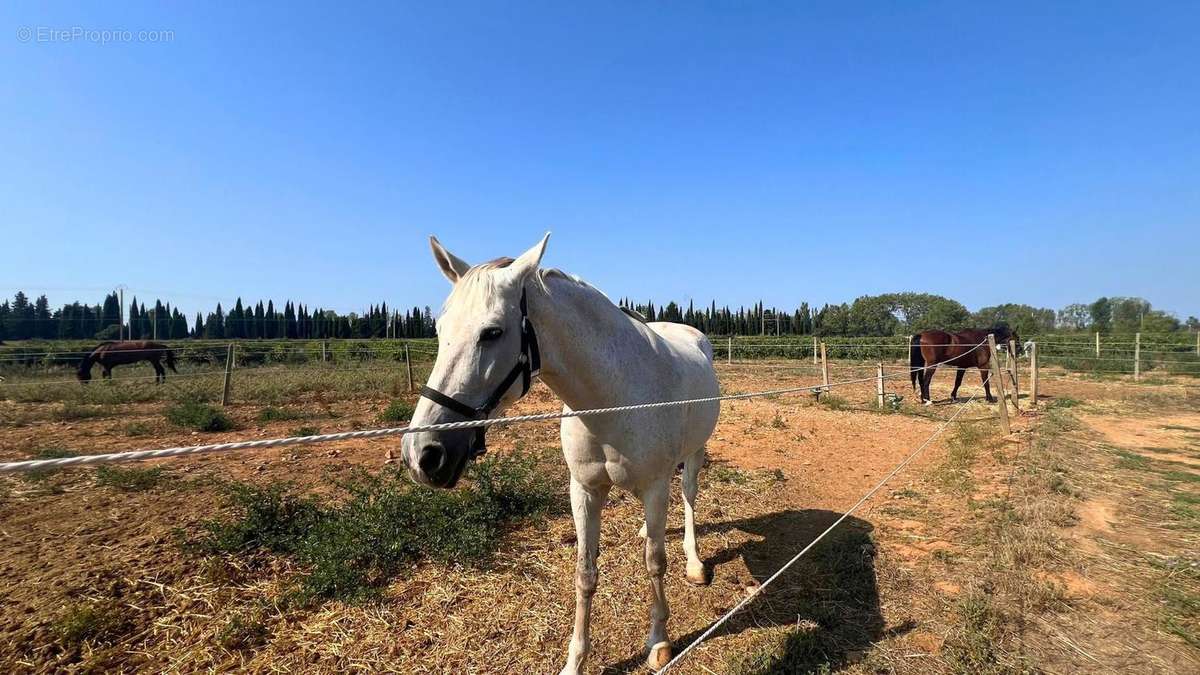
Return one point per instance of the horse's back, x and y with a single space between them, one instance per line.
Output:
683 336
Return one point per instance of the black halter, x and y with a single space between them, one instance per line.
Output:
529 363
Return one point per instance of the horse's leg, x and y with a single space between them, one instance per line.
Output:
160 375
957 383
926 380
696 573
985 375
654 500
107 373
585 505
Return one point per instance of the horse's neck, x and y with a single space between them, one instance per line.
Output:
581 334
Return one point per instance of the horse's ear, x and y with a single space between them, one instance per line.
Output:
451 265
528 261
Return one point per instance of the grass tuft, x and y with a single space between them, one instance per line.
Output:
398 410
90 623
133 479
198 417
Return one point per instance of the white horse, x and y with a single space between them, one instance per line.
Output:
591 354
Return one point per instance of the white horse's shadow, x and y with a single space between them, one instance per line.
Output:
831 590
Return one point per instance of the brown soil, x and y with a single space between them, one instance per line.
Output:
68 540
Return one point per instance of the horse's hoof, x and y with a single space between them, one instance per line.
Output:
698 576
928 402
660 655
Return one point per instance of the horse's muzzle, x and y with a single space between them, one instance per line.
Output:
439 460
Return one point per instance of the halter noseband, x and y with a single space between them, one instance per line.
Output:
527 367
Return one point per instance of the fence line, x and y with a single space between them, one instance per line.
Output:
139 455
763 586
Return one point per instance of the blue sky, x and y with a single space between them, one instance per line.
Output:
1045 153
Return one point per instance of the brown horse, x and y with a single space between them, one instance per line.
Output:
110 354
957 350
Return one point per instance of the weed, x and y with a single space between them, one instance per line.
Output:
198 417
243 631
777 422
835 402
274 414
133 479
90 622
70 412
305 431
40 475
134 429
382 525
398 410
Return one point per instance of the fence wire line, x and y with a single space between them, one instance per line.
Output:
763 586
140 455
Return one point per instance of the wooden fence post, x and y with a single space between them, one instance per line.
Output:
1097 345
814 350
998 380
879 385
1137 356
408 366
1198 343
324 351
824 367
1013 372
1033 374
729 355
228 375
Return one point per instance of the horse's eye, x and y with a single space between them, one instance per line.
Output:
490 334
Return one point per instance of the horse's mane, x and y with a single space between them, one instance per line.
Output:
476 276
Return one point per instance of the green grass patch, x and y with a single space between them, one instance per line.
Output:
71 412
398 410
1127 459
133 479
834 402
305 431
1182 476
198 417
378 526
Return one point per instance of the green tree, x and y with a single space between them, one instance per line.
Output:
1101 313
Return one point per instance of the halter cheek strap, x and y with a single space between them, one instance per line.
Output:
527 367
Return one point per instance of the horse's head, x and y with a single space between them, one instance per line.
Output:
1003 334
85 370
487 355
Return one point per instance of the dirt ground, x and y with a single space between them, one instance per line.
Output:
894 592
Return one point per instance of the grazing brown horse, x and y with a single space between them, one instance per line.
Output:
957 350
110 354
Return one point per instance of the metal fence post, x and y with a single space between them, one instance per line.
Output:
1013 372
729 355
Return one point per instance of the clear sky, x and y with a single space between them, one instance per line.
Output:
1046 153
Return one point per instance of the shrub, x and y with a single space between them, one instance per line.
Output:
383 524
398 410
137 429
199 417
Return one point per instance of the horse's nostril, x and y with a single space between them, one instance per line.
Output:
432 456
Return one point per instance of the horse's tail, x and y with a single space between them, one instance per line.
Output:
915 360
171 361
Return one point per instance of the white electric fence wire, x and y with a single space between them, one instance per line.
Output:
140 455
